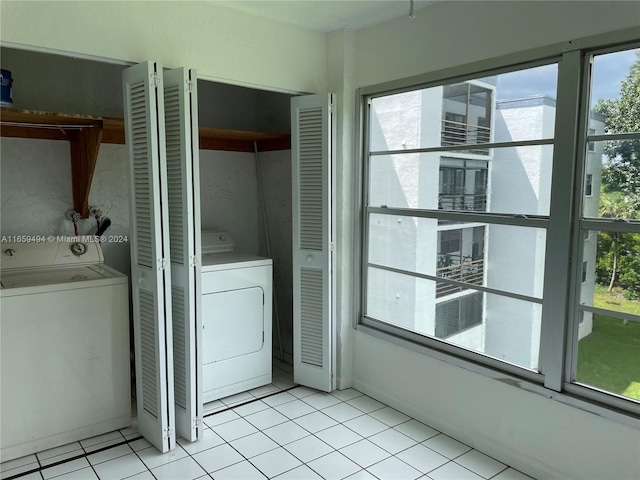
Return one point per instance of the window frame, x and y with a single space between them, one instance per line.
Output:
557 351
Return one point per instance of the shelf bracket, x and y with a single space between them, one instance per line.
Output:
84 146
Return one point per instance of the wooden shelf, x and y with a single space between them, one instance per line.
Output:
86 133
212 138
242 141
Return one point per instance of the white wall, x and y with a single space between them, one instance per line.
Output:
341 72
537 435
222 44
449 34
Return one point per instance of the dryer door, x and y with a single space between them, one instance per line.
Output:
234 325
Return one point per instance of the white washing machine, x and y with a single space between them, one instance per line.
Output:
64 320
236 318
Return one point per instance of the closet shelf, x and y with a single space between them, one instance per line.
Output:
85 134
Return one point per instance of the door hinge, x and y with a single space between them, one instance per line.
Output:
332 246
190 86
197 422
194 261
331 108
163 264
168 432
156 80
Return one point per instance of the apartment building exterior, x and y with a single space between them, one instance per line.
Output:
500 180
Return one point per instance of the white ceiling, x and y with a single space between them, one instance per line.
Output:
327 15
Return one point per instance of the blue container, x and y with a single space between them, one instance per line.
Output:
5 88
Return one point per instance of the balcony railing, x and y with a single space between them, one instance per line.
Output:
475 202
461 270
457 133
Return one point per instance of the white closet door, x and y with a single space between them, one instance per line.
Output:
144 130
181 123
312 218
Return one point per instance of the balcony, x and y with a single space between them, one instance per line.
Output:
463 269
458 133
471 202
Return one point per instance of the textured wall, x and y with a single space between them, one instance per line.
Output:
36 193
276 181
110 193
36 187
228 193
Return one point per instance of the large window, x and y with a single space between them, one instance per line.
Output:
471 224
606 353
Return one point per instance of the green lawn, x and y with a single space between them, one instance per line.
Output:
609 358
614 300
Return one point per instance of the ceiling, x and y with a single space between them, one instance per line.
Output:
327 15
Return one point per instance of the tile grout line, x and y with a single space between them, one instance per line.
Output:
135 452
283 446
86 454
279 445
389 427
226 442
40 468
241 404
71 459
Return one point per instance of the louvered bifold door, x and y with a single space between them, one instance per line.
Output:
144 136
183 181
312 218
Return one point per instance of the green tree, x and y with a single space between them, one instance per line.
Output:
618 260
613 205
621 172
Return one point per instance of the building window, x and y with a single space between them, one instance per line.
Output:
466 113
591 146
458 315
462 184
460 252
588 187
426 244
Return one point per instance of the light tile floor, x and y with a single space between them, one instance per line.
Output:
267 432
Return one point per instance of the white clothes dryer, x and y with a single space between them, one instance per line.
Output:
65 373
236 318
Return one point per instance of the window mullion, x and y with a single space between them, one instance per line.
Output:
561 218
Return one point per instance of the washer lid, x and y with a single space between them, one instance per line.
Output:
53 276
63 251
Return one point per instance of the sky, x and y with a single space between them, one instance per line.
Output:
608 71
